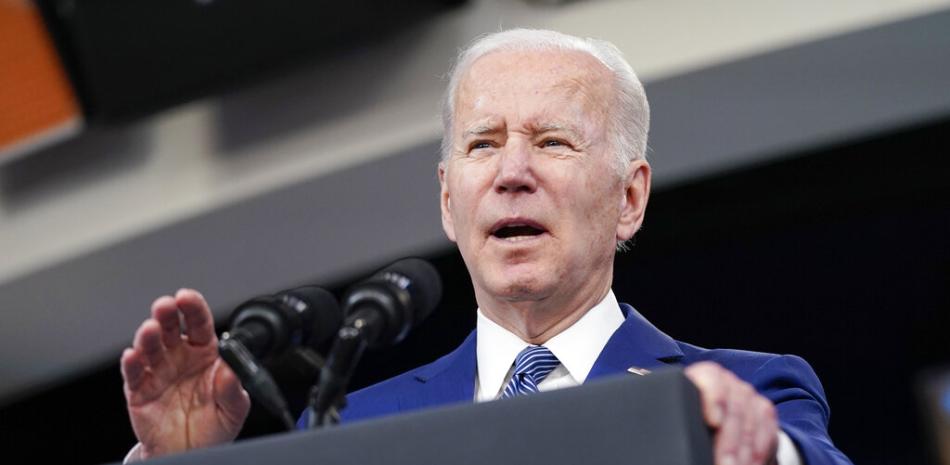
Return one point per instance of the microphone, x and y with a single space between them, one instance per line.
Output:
379 312
387 305
266 327
269 325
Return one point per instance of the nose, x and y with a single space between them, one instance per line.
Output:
515 169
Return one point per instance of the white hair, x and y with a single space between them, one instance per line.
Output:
629 116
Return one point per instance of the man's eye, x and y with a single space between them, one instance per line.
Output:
552 143
480 145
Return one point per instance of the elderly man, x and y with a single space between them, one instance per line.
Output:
542 176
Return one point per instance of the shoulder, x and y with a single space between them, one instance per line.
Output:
744 363
749 365
779 377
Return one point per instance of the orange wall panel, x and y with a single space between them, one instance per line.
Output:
37 103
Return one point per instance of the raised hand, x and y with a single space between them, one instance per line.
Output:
179 392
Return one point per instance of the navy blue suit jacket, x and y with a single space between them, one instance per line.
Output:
787 380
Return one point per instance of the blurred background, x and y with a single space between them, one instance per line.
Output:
801 202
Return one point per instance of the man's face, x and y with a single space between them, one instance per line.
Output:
531 191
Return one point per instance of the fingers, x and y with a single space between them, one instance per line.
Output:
165 311
705 375
741 419
197 315
765 444
142 362
157 337
750 423
729 440
191 305
133 369
729 436
745 423
148 343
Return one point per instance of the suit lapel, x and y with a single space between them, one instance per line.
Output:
638 344
448 380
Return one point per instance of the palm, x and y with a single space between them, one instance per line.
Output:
180 394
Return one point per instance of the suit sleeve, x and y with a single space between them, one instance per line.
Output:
791 384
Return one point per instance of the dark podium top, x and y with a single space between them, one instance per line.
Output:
653 419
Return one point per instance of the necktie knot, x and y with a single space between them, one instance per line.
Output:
532 365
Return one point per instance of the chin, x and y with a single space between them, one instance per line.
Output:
520 293
521 287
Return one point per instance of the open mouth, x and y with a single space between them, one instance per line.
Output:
517 230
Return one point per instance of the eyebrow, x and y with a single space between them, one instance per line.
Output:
538 128
480 130
543 128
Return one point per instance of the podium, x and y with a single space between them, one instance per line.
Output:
631 419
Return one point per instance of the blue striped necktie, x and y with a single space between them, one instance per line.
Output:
532 365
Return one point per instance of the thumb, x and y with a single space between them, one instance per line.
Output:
232 400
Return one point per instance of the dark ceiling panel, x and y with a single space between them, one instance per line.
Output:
130 58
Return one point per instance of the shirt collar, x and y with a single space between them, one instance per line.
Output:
577 347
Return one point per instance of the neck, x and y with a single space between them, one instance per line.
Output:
537 320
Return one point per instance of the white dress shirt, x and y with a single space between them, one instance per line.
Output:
577 348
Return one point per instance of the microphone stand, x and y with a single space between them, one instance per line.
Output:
255 378
327 397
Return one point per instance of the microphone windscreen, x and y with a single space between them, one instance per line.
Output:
325 311
423 283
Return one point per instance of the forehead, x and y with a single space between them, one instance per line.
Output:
512 80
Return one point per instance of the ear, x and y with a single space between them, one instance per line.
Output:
633 206
446 204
